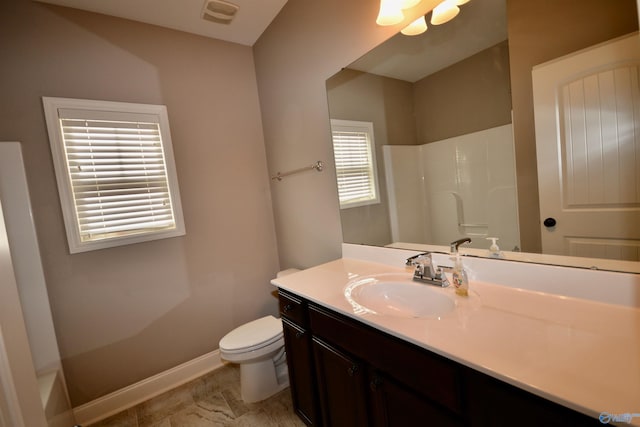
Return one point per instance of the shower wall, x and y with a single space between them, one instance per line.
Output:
467 188
31 286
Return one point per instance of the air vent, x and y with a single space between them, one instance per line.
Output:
219 11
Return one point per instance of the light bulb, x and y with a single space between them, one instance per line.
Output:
418 26
444 12
390 13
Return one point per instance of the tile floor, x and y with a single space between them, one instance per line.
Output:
211 400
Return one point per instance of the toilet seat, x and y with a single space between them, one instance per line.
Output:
252 336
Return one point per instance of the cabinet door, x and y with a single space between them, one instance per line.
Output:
297 343
396 405
492 403
434 376
342 386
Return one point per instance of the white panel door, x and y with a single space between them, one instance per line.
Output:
587 121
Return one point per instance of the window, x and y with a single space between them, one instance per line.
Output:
115 172
354 152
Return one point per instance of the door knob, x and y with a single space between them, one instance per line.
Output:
549 222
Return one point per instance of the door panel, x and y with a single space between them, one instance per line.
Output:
587 112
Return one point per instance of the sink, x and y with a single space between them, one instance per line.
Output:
397 295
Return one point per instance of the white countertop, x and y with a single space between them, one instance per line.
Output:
581 353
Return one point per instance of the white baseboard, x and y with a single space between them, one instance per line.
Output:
130 396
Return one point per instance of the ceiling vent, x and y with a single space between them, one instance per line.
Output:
219 11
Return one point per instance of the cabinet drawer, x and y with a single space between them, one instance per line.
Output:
292 307
428 374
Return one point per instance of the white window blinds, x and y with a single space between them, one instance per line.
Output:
118 178
354 152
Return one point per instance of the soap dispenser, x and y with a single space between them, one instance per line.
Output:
459 277
494 250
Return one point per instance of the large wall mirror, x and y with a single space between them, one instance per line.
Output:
451 113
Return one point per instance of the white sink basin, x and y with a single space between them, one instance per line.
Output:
397 295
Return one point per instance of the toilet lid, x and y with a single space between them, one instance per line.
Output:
258 333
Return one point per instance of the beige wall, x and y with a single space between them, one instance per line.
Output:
539 31
308 42
388 104
124 314
471 95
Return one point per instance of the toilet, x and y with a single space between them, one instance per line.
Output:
258 347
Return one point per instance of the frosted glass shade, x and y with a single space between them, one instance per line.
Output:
406 4
444 12
390 13
418 26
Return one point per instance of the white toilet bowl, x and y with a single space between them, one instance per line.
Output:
258 347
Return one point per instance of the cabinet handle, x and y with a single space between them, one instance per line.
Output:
299 334
352 370
375 383
288 308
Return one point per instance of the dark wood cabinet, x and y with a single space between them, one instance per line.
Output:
394 404
301 371
342 390
493 403
346 373
297 343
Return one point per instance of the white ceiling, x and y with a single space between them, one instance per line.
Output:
253 17
479 25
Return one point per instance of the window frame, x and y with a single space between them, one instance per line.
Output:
367 128
94 108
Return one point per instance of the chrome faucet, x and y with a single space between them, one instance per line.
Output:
426 271
455 245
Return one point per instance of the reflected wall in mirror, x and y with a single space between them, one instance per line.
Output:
453 109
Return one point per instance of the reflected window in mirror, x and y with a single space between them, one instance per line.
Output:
354 152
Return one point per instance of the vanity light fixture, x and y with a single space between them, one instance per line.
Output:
418 26
444 12
406 4
390 13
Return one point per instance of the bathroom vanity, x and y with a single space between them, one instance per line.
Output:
504 356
